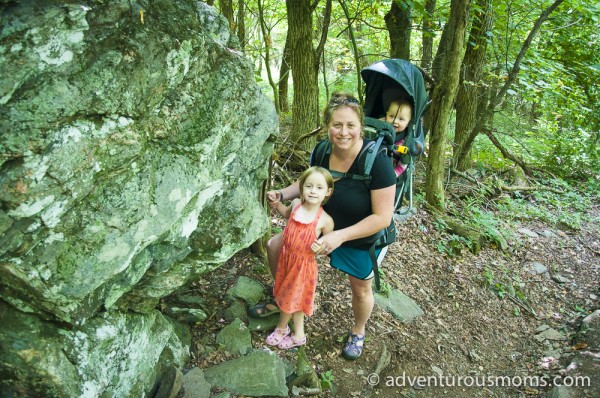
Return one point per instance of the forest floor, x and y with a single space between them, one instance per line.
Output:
482 313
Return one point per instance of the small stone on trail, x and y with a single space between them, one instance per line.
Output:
528 232
559 278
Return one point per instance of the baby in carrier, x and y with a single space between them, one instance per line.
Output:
399 114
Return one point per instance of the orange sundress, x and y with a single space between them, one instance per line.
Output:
296 277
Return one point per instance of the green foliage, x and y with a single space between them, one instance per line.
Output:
567 209
505 284
385 287
327 379
453 245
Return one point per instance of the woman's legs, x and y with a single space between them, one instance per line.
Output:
362 303
274 246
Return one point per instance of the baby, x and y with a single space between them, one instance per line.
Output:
399 115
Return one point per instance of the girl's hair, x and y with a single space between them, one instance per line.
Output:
340 99
321 170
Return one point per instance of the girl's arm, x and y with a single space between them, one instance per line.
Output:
284 210
325 226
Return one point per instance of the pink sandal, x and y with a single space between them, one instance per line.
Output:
290 342
277 336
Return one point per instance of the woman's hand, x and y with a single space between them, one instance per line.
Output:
274 198
327 243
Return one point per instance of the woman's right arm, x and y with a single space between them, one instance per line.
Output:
289 193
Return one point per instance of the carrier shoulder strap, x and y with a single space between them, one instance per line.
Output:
366 158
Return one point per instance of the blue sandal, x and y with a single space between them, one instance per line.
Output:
354 346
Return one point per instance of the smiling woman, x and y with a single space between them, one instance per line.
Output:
358 210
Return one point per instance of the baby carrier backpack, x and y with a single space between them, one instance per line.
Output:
396 78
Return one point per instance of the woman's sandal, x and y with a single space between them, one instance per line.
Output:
277 336
290 342
263 310
354 346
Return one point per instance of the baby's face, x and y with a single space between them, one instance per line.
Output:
398 116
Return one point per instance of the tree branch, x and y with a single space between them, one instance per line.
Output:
323 40
517 65
516 159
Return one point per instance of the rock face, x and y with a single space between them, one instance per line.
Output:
133 147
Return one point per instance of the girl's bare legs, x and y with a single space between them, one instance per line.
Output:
281 331
362 303
284 319
298 318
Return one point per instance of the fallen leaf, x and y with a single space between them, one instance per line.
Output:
579 346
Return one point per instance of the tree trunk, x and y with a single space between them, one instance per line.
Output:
267 54
486 116
241 26
284 72
470 89
304 64
354 50
227 11
427 35
442 100
398 23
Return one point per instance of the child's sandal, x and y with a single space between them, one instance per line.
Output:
277 336
290 342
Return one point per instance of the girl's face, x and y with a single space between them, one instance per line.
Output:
315 189
344 128
398 116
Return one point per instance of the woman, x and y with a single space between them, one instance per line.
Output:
358 211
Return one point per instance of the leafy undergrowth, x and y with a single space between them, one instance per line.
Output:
481 311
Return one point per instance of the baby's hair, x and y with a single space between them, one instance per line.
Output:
401 102
321 170
339 99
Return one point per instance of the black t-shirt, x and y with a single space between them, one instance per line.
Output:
351 199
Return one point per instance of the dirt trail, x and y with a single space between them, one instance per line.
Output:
467 330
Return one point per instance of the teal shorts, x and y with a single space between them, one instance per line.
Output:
353 261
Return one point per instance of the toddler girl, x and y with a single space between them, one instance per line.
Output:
296 277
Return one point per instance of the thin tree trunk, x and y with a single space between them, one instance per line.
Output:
284 72
241 26
442 100
470 88
427 35
486 117
267 54
324 71
512 76
354 50
398 23
227 11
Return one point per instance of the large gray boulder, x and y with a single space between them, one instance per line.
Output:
133 145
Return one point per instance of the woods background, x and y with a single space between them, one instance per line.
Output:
513 84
